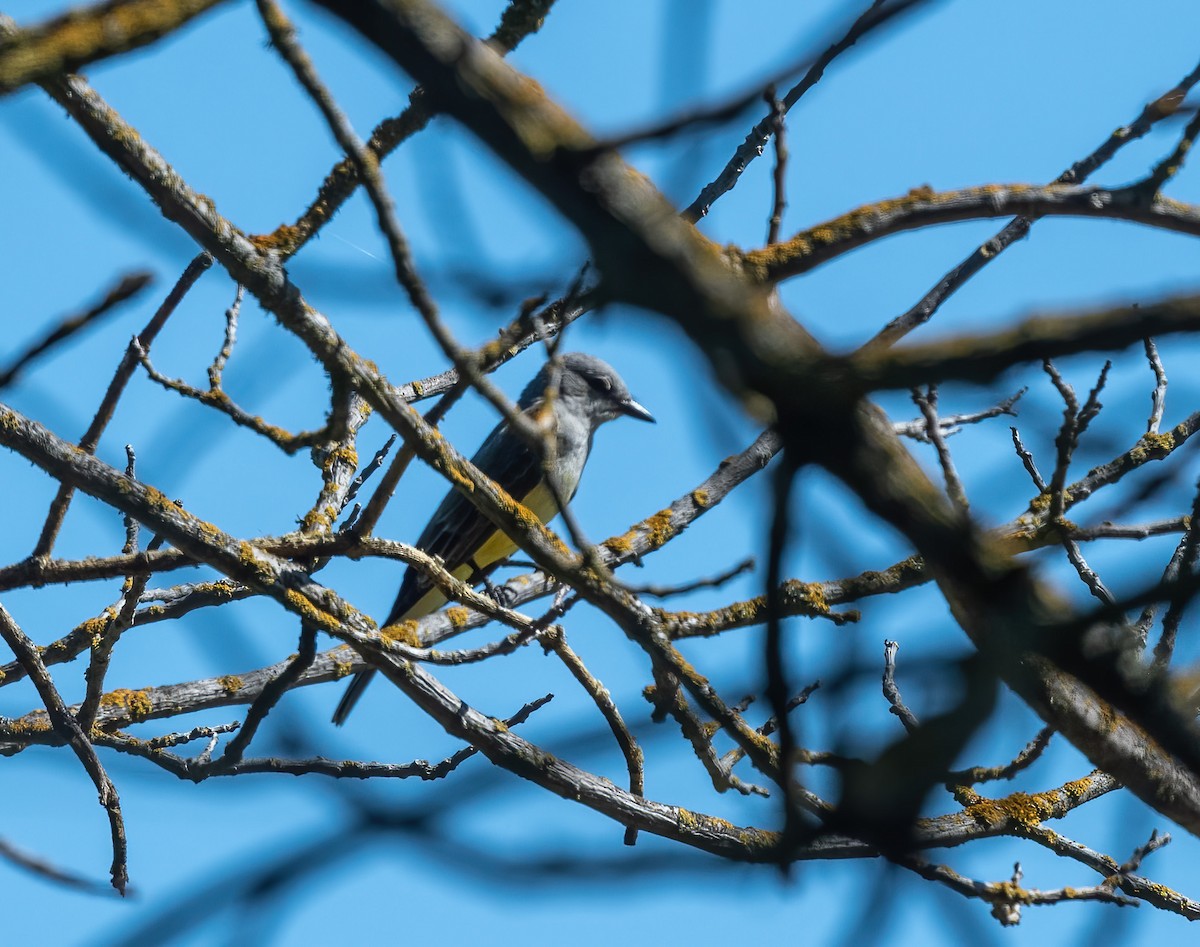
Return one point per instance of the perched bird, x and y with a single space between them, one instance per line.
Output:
588 393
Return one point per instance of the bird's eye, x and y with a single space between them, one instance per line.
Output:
599 382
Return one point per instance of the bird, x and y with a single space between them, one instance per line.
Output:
588 394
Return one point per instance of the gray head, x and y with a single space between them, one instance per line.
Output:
587 385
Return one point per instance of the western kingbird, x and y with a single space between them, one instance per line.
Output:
588 393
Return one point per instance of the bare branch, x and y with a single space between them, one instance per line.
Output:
1158 398
779 178
927 404
891 692
1027 757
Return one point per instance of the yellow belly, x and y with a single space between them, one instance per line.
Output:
497 546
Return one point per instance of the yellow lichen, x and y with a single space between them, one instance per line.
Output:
343 455
307 610
620 545
404 632
137 703
659 529
811 594
231 684
318 520
1159 442
1040 503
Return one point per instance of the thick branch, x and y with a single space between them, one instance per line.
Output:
79 37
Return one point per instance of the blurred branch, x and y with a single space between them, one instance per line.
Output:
86 35
129 286
49 872
879 13
981 358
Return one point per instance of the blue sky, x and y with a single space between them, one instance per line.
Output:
961 93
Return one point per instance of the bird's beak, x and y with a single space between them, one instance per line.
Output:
635 410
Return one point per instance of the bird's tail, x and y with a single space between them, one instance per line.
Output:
353 693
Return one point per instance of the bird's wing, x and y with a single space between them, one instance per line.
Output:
457 530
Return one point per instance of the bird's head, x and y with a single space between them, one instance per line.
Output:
588 386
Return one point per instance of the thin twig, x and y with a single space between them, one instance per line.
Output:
1007 897
169 740
735 104
668 698
1086 573
712 582
554 639
268 697
927 404
1023 760
1106 530
891 692
1153 844
400 463
1028 461
1158 397
217 368
779 177
1064 442
737 753
367 471
117 619
1169 166
1182 564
